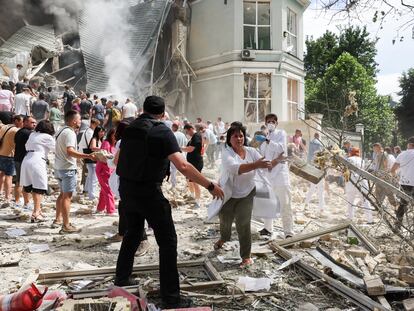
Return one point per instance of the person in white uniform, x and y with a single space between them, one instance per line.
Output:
278 175
34 166
352 192
315 146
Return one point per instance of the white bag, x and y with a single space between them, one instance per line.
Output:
265 202
213 209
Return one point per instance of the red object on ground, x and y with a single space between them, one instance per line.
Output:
120 292
190 309
25 300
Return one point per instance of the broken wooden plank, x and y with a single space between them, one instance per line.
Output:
74 274
338 269
361 236
310 235
383 301
363 301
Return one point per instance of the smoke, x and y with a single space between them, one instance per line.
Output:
106 24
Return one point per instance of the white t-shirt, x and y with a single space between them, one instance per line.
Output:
66 137
244 183
279 175
406 161
390 161
181 139
220 128
22 104
86 139
209 135
14 75
129 110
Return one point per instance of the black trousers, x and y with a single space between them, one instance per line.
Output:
146 202
402 208
122 224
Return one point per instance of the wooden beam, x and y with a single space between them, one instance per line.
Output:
363 301
310 235
371 246
375 179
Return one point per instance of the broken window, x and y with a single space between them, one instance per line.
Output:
292 90
257 96
256 25
292 41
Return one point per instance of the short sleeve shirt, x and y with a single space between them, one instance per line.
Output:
20 139
85 107
195 157
129 110
39 109
65 138
406 161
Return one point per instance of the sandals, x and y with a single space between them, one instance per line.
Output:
37 219
219 244
246 263
56 224
69 229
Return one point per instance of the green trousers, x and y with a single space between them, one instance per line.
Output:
239 210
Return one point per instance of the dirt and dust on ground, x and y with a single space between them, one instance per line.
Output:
29 248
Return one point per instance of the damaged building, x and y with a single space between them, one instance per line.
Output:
233 58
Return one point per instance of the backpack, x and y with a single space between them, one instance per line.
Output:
116 115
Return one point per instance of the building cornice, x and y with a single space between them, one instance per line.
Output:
304 3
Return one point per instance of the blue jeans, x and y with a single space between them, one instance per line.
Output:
66 180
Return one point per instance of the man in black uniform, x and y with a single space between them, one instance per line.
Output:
147 147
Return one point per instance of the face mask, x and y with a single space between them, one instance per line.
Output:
271 127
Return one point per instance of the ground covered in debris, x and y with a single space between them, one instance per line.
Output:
27 248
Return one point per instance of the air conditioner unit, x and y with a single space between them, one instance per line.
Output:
248 55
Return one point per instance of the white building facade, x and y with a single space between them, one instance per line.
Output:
248 58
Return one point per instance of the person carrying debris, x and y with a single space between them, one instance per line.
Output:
279 176
405 162
146 149
66 170
381 169
351 190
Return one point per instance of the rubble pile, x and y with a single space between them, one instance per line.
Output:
330 264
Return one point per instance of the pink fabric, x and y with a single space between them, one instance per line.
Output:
103 172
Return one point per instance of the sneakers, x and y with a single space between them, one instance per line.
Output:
183 303
143 248
28 207
128 282
265 233
69 229
115 238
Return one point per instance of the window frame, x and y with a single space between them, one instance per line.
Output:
291 34
257 25
257 99
293 105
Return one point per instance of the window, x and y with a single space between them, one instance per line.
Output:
293 99
256 25
257 96
291 30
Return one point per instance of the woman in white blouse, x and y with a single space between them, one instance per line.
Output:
237 177
34 166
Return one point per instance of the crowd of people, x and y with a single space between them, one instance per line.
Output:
129 152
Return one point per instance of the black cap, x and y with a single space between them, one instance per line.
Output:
154 105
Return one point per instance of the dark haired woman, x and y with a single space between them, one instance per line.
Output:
237 176
34 166
103 171
94 145
193 149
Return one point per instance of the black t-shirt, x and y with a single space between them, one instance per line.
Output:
85 107
195 157
20 139
145 149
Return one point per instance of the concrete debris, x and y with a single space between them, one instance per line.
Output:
307 307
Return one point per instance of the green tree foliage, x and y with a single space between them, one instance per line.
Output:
405 110
324 51
329 95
